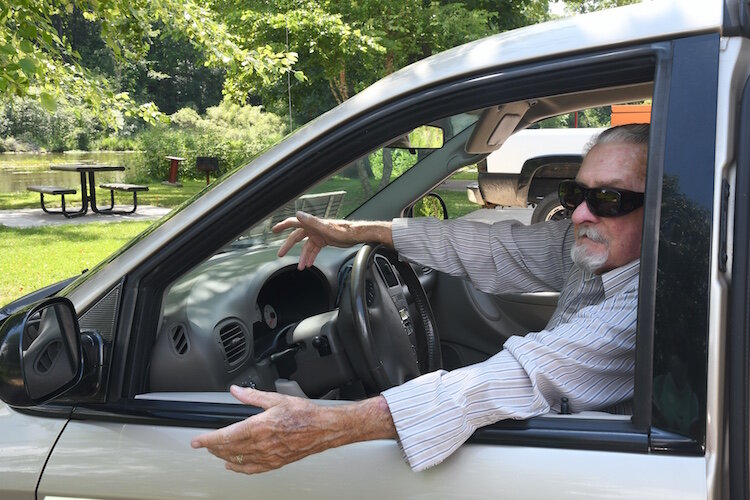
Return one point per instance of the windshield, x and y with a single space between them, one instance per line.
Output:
355 183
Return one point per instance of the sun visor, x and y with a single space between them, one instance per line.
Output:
495 125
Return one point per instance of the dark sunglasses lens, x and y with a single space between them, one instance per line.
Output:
570 195
604 202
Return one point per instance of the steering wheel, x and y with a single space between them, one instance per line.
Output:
394 344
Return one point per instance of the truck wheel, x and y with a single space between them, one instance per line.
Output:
549 209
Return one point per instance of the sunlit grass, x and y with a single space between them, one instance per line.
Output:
36 257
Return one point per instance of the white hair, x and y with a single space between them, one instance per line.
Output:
633 133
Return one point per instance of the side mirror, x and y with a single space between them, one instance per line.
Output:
430 205
40 353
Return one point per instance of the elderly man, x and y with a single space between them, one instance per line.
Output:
585 353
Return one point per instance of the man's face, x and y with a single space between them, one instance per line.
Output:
605 243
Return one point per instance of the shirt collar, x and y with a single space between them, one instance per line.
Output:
621 279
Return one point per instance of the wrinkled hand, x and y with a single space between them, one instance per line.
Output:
319 233
285 432
292 428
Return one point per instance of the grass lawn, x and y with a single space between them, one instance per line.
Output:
40 256
456 202
36 257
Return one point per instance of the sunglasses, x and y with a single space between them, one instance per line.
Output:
602 202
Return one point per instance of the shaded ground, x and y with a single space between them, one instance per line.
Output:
35 217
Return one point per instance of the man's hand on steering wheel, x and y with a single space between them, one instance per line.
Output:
333 232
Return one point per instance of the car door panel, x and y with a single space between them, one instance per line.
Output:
150 461
25 443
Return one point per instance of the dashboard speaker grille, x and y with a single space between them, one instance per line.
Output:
234 341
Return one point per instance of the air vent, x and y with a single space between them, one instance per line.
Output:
234 341
180 342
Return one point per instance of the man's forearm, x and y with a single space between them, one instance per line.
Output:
292 428
370 232
353 423
364 421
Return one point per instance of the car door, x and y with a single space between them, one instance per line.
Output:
127 443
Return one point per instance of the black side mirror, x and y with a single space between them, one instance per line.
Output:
430 205
40 353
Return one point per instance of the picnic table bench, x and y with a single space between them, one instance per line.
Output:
54 191
127 188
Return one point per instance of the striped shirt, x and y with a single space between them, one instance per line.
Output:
585 353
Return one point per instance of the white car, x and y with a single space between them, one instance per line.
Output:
105 378
527 169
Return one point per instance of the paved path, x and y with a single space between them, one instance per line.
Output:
455 185
34 217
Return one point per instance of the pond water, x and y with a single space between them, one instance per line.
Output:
18 170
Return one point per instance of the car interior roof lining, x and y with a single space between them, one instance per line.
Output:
486 138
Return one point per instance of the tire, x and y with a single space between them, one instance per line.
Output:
550 209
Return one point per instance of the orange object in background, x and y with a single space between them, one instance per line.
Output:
622 114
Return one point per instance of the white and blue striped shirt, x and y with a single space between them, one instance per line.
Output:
585 353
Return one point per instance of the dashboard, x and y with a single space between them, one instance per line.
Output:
227 321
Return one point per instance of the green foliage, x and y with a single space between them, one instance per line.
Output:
345 46
593 117
232 133
173 75
38 59
185 118
429 206
115 143
136 59
35 128
583 6
403 160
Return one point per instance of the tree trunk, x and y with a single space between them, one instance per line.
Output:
339 87
389 63
387 167
365 172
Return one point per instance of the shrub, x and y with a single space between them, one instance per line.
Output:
116 143
232 133
17 146
186 118
67 128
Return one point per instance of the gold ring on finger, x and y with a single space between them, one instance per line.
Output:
238 459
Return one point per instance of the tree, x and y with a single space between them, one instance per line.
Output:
345 46
583 6
37 58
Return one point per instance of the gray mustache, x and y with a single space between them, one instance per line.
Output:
591 233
